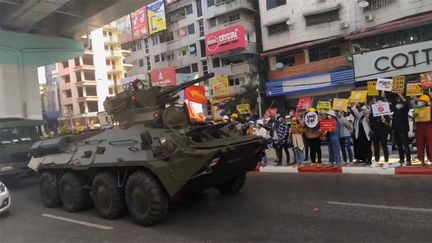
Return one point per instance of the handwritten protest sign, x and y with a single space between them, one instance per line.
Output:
328 125
381 109
414 89
311 119
358 96
398 84
384 84
340 104
426 80
422 114
323 106
243 109
372 91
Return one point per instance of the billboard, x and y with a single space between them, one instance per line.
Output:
164 77
220 86
124 29
230 38
139 23
156 16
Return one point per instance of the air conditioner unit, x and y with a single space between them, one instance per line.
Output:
344 25
369 18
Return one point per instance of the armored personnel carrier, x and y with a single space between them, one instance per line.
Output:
147 155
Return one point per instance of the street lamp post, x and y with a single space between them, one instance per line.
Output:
259 102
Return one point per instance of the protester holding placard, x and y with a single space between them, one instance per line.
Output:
380 129
296 139
280 139
312 134
362 135
345 128
424 127
333 141
400 126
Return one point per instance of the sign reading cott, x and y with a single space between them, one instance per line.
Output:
224 40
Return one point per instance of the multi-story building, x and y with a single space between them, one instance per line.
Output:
86 81
309 43
185 45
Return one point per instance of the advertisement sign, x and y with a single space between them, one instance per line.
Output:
139 23
398 84
220 86
384 84
323 106
372 90
381 109
196 94
243 109
233 37
426 80
156 16
304 103
340 104
124 29
358 96
399 60
311 119
164 77
422 114
217 108
414 89
328 125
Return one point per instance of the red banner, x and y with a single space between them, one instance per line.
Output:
304 103
224 40
139 23
328 125
196 94
164 77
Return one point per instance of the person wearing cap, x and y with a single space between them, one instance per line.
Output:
262 132
225 119
280 139
362 135
380 126
333 141
424 130
250 129
137 85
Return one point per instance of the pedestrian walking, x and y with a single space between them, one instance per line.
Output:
333 141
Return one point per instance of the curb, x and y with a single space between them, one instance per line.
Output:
347 170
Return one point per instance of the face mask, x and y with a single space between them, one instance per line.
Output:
329 117
420 104
399 106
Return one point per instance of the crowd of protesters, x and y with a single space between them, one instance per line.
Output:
356 127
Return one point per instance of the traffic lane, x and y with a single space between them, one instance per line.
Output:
272 207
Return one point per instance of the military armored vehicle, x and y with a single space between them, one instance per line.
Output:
150 156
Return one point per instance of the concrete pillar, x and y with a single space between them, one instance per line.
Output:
306 55
19 92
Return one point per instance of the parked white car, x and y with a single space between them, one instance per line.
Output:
5 200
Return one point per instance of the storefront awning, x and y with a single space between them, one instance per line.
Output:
392 26
300 46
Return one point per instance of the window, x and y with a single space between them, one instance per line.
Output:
199 8
68 93
110 90
141 63
157 58
205 67
191 29
65 64
201 27
275 3
146 45
192 49
327 17
163 56
376 4
210 3
212 22
189 9
182 32
148 63
182 52
108 62
69 109
320 53
277 28
170 36
233 18
82 108
91 91
234 82
194 67
155 40
186 69
202 48
216 62
78 76
177 15
66 79
92 106
77 61
286 60
138 45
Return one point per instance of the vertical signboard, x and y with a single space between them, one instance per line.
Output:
139 23
220 86
156 16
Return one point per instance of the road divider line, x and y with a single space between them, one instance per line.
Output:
78 222
380 206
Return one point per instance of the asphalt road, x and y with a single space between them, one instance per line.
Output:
272 208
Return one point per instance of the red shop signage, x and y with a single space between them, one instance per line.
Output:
328 125
224 40
164 77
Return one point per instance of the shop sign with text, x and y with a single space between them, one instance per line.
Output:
224 40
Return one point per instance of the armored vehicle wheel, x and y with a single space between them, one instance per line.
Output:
107 197
232 186
72 193
146 199
49 190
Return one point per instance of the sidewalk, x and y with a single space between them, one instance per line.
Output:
394 168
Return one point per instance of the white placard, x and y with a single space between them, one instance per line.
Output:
311 119
384 84
381 109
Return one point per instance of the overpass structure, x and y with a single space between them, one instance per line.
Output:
39 32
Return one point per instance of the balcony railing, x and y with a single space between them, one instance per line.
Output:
223 7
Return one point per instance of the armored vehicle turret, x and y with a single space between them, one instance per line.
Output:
147 155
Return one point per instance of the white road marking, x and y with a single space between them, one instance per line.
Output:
78 222
380 206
